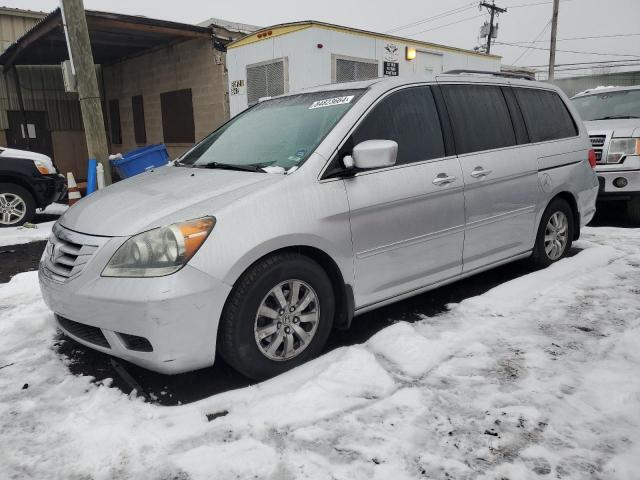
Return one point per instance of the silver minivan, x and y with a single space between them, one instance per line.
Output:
313 207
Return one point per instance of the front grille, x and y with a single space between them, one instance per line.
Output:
83 332
597 142
65 258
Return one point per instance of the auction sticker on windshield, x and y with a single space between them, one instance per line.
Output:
329 102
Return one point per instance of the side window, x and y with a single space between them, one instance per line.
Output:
516 116
545 115
409 117
479 117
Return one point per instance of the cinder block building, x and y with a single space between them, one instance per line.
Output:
160 82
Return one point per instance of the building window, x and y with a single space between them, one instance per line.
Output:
139 129
177 116
115 129
267 79
348 69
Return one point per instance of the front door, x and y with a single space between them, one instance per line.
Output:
29 132
500 174
407 221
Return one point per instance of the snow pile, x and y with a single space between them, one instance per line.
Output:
40 231
537 378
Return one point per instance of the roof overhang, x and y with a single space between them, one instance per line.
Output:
113 38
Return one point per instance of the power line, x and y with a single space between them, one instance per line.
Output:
544 29
571 51
587 63
445 25
444 14
582 38
491 7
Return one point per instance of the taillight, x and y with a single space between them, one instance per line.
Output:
592 158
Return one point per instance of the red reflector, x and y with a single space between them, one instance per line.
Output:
592 158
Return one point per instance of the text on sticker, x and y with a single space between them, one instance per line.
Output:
329 102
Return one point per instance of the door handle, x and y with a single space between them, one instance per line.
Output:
480 172
443 179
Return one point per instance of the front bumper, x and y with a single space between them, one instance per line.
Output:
49 189
608 191
177 315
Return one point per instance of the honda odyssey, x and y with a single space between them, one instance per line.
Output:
313 207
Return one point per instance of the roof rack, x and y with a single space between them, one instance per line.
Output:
522 76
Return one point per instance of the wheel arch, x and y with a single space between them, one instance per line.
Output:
21 182
343 291
573 204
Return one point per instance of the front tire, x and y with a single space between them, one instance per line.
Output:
17 205
278 316
555 234
633 210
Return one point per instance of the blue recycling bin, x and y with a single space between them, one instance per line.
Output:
141 159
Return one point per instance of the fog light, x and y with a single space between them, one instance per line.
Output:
620 182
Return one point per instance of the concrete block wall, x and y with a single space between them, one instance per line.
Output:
193 64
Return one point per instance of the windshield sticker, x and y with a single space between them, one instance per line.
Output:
330 102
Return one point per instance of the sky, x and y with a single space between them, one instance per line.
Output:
524 21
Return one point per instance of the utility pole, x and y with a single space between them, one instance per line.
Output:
552 47
493 9
83 67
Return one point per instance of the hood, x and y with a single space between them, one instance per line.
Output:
160 197
621 127
25 154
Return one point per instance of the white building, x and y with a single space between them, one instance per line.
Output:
289 57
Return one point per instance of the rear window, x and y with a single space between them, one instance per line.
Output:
545 114
479 117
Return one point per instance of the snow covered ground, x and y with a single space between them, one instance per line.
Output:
537 378
40 231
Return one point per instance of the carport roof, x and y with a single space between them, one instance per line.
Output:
113 37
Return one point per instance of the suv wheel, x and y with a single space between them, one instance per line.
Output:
555 234
633 210
17 205
278 316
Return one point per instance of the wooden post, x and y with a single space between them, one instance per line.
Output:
552 47
83 66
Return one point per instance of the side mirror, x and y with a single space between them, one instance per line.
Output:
372 154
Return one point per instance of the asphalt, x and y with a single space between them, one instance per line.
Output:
193 386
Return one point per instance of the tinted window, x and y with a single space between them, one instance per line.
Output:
479 117
545 115
177 116
408 117
516 116
115 129
139 129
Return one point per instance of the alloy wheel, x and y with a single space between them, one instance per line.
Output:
12 208
287 320
556 235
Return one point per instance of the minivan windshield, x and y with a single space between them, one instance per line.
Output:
275 135
609 105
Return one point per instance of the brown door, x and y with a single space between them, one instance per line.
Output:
30 132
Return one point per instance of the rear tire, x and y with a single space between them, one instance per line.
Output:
17 205
265 327
555 234
633 210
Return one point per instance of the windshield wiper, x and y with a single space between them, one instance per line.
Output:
612 117
229 166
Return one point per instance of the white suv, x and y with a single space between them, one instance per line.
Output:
612 117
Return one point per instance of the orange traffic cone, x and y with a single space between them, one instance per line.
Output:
72 189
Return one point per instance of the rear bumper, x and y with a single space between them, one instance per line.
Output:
176 316
608 191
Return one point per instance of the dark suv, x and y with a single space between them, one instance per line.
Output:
28 180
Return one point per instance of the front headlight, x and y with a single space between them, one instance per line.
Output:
161 251
621 147
45 168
